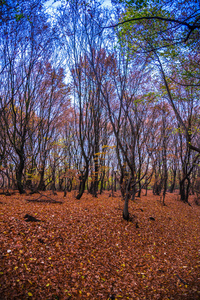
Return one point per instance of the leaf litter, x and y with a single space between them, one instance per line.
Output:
83 249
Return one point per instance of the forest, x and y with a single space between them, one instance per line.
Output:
99 122
95 97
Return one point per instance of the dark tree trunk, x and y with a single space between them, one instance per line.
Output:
61 180
171 190
125 210
83 179
19 173
157 187
91 188
115 182
102 182
139 191
69 184
184 189
127 197
42 185
2 180
187 189
112 183
146 189
146 186
133 193
8 176
122 185
96 181
53 184
139 176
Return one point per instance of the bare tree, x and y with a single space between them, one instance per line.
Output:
23 57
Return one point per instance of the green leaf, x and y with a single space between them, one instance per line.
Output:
18 17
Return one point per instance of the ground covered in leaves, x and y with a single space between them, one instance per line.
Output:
83 249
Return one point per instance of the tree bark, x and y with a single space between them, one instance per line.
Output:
83 180
125 210
19 173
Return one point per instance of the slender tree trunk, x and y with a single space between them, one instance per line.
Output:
139 183
115 182
127 196
125 210
184 189
146 189
102 182
53 185
133 193
83 180
139 191
187 189
19 173
165 176
69 184
96 181
122 185
41 185
112 183
173 182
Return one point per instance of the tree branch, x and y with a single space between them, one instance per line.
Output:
191 27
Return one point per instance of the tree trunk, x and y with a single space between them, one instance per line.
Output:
125 210
19 173
96 181
139 191
53 184
146 190
173 182
102 182
41 185
133 193
83 180
187 189
69 184
184 189
115 182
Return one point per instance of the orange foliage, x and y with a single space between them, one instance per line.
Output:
85 250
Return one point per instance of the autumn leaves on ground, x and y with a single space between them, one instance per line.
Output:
85 250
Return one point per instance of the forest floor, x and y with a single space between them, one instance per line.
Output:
83 249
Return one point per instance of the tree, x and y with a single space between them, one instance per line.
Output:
125 114
180 17
23 58
165 31
84 55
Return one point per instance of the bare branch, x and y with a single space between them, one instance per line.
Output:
191 27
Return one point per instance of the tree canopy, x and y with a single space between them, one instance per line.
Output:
93 96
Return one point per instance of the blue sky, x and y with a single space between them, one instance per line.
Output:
107 2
